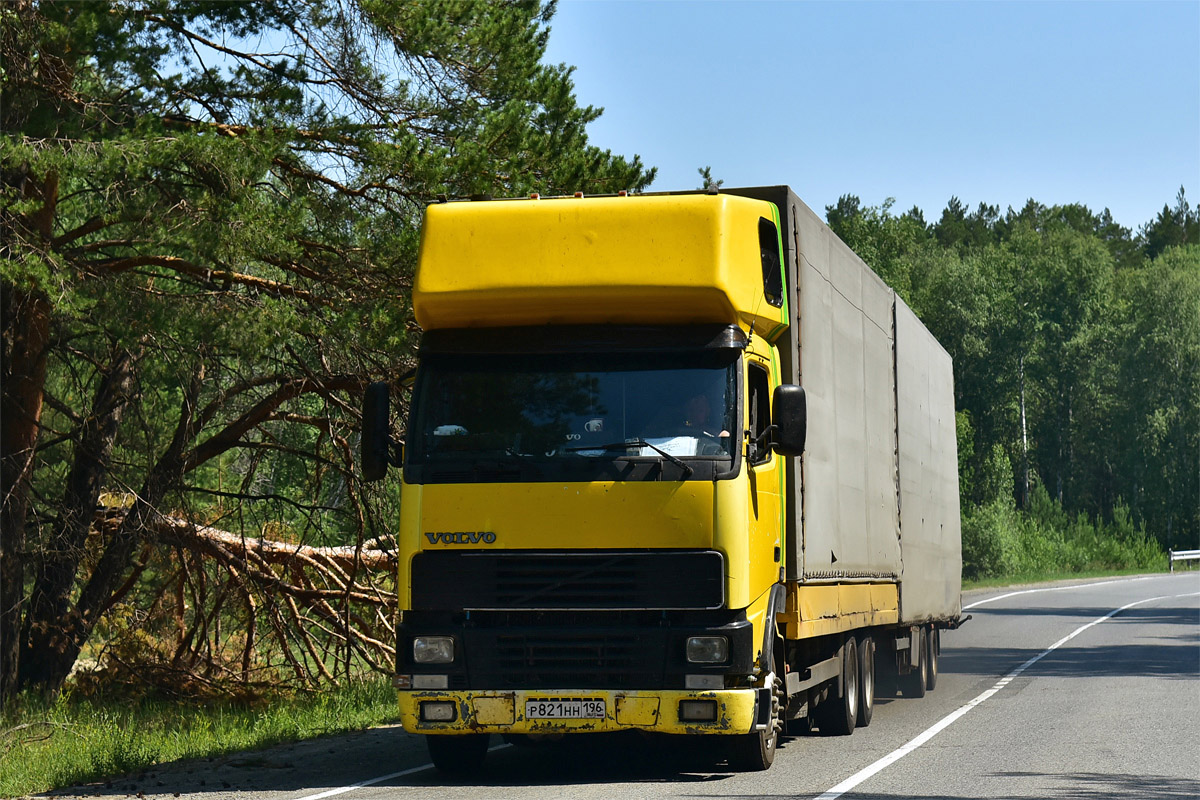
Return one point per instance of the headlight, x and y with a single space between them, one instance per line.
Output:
433 649
708 649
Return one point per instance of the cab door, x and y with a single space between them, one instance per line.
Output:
765 469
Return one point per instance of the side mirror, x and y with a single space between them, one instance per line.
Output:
376 438
790 414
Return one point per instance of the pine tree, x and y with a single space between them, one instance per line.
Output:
209 218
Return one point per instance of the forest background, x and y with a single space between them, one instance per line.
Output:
209 215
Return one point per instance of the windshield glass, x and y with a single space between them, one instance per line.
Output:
554 418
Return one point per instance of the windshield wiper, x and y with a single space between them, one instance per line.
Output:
687 469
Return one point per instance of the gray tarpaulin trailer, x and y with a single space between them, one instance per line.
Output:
878 482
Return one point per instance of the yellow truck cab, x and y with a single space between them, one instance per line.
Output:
609 517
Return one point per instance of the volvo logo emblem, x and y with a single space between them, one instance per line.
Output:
461 537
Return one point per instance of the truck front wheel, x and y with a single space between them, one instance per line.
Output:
456 755
754 752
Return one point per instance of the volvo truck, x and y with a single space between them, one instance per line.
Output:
678 463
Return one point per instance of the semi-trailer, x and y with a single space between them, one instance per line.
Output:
678 463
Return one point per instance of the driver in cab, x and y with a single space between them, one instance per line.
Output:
698 417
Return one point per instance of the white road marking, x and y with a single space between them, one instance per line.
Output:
380 779
1057 589
899 753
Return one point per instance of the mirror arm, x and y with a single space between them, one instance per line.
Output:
765 435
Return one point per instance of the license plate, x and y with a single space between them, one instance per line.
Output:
564 708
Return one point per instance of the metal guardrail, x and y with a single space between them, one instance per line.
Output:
1182 555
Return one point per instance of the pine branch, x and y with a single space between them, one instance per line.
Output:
114 266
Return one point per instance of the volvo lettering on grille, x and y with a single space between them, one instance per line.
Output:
461 537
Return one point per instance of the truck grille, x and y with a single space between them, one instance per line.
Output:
519 580
559 659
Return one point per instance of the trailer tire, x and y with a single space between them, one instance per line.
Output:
837 716
457 755
933 648
916 681
866 680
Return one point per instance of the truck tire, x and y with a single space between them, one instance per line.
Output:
457 755
866 680
755 752
933 648
837 716
916 681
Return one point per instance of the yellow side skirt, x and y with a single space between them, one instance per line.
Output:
819 610
504 712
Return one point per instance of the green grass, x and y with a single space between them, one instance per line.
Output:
78 740
1050 576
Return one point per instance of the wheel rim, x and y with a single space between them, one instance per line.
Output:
924 657
850 671
866 657
932 649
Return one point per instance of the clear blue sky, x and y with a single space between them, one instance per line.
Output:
1089 102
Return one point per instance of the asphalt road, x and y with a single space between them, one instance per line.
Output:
1086 691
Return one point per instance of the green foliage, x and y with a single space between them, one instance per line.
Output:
1172 227
707 182
958 230
1001 542
1157 397
965 436
887 242
995 483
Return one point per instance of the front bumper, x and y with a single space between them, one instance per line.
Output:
659 711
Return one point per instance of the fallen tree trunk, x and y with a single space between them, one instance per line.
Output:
221 612
371 555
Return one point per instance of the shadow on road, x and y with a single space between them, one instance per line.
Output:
596 759
1164 615
313 766
1146 653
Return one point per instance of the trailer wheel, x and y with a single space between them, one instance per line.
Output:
916 681
754 752
933 648
866 680
837 716
456 755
